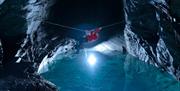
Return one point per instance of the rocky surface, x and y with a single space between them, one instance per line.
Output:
18 60
31 83
150 35
1 53
1 1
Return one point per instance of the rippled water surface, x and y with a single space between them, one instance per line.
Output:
94 71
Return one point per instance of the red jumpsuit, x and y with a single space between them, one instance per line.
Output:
93 35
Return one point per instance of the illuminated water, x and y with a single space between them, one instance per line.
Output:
98 72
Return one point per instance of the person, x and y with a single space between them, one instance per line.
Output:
92 35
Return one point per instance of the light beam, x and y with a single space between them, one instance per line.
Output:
91 60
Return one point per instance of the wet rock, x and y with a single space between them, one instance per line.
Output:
1 53
12 83
150 34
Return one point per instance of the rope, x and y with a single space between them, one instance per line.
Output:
113 24
73 28
69 27
63 26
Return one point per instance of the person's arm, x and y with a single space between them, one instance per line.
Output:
98 29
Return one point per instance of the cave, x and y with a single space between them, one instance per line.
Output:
89 45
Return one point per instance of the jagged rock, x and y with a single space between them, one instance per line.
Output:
1 53
1 1
150 35
12 83
29 14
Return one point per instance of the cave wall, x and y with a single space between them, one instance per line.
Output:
11 32
24 40
150 35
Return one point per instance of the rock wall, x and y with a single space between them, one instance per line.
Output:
1 53
150 35
24 43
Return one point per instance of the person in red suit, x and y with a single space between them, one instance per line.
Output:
93 34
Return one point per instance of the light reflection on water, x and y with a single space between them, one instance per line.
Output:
108 73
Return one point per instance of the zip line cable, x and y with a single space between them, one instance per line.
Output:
69 27
63 26
73 28
113 24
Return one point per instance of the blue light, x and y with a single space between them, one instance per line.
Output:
91 60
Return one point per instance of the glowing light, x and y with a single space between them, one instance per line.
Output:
91 60
104 47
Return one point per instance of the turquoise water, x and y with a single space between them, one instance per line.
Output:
97 72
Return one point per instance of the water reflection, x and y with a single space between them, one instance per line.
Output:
110 73
91 59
